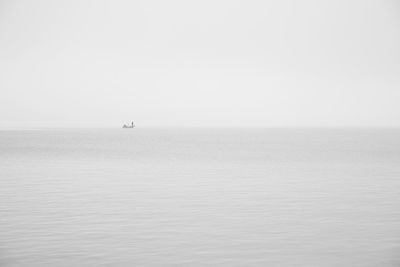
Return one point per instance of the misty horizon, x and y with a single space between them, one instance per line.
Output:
210 63
199 133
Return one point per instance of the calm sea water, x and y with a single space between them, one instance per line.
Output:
200 197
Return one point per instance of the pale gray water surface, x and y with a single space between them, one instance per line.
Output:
200 197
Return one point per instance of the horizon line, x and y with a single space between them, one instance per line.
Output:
289 127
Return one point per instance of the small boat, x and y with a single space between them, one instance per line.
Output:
129 126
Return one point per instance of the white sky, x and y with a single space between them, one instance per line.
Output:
199 63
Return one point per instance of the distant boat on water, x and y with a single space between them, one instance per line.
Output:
129 126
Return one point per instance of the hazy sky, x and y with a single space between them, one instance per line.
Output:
199 63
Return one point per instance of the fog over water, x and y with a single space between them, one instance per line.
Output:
268 133
199 63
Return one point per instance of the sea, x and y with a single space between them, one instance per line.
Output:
200 197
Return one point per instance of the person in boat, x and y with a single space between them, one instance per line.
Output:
132 125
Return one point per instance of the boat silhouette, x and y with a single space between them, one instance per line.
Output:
132 125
